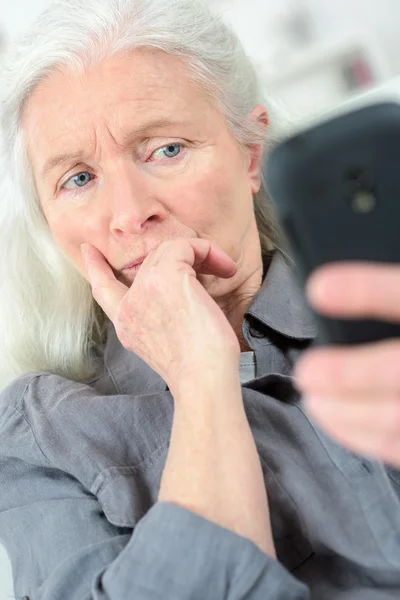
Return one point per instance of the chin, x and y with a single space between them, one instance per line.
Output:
216 286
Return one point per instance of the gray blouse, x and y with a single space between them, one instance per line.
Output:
81 464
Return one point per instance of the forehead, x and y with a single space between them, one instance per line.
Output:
120 89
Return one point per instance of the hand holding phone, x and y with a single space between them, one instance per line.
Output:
336 193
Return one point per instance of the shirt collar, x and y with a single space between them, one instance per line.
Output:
280 303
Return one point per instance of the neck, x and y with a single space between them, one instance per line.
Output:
235 304
234 295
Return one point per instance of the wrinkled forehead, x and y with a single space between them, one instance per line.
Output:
119 92
144 79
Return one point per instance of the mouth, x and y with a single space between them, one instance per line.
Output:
133 268
133 264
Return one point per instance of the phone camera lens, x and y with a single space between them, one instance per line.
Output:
360 190
363 201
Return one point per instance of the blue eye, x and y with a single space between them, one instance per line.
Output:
80 179
170 151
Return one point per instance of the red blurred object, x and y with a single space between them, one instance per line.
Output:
362 72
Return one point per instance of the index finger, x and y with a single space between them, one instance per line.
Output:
106 288
204 256
356 289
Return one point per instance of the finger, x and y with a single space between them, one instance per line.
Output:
364 369
366 426
371 415
212 262
106 289
203 256
356 289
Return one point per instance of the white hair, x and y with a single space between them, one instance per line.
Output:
49 321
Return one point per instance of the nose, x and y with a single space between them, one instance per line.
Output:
130 197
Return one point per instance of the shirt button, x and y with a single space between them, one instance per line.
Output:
256 333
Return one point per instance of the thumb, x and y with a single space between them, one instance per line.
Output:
107 290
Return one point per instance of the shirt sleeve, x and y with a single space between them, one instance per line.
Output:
61 545
65 548
175 553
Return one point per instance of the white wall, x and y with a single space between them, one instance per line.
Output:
256 20
16 15
379 17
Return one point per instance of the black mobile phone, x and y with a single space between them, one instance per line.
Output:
335 193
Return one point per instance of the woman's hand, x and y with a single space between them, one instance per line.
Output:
354 392
171 322
166 316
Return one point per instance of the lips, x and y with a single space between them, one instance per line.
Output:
133 264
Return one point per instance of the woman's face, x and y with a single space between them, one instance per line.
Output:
133 154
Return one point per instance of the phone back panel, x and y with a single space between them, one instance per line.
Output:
335 190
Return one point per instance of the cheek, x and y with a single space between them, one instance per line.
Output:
69 235
208 198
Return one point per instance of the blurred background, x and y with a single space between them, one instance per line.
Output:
313 54
315 57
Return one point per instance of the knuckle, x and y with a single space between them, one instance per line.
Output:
155 282
166 244
177 243
168 247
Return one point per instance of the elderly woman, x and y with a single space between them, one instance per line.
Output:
152 443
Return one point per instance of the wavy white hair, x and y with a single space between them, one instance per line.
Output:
49 321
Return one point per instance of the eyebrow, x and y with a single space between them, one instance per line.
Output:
64 159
